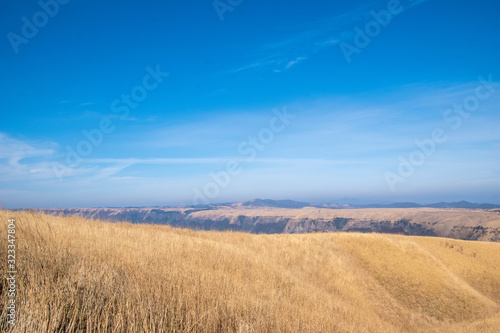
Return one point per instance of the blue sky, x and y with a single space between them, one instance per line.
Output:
173 102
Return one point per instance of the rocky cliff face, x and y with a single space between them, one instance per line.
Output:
454 223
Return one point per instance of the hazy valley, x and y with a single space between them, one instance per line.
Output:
286 216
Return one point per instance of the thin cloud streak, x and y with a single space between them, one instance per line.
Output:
327 33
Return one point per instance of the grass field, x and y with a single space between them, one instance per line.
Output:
81 275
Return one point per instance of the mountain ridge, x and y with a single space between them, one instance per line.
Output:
297 204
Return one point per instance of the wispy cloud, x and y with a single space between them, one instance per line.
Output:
294 62
281 55
14 150
268 61
335 135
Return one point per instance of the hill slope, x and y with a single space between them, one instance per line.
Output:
76 274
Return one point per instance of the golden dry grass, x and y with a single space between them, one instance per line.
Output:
81 275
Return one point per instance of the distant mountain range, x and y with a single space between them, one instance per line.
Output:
262 203
275 203
459 204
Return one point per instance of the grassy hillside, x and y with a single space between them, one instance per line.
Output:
81 275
